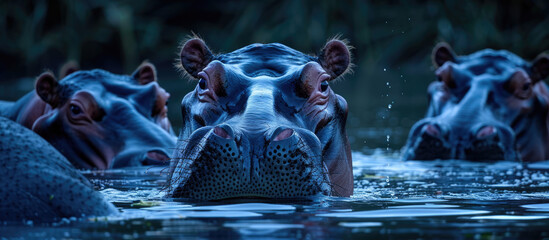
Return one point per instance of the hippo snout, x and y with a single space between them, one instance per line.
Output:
155 157
428 141
227 163
431 140
142 156
490 142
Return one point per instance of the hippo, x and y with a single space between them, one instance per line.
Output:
487 106
99 120
262 122
39 184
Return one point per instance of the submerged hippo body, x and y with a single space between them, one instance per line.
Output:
262 122
99 120
38 183
489 105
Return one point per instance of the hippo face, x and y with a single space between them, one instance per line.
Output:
101 120
489 105
262 122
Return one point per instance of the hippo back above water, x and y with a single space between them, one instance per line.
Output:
489 105
100 120
38 184
262 122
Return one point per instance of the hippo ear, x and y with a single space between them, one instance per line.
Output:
68 68
46 87
335 58
145 73
540 67
442 53
195 56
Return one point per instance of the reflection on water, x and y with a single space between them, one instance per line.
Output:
399 213
393 198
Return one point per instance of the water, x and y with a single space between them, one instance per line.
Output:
393 199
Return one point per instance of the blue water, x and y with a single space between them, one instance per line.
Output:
393 199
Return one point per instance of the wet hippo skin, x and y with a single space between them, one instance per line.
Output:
262 122
99 120
489 105
38 183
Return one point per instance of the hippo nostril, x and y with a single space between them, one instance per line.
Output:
486 132
285 134
224 131
157 155
432 130
221 133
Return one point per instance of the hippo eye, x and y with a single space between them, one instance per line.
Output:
75 109
202 84
324 86
167 102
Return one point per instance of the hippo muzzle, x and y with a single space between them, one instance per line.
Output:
224 163
432 139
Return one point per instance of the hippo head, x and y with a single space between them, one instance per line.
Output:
101 120
489 105
262 122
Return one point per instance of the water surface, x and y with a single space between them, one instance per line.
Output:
393 199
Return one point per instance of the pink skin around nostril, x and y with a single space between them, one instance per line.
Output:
486 131
221 132
157 156
431 130
284 135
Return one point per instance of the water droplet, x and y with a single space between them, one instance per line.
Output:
389 106
387 83
385 69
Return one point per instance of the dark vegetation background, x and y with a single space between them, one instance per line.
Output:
392 44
